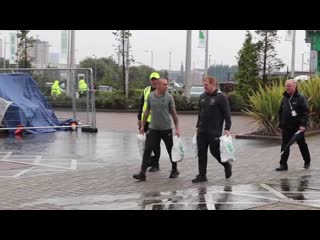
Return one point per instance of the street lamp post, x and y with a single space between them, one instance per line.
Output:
305 60
151 57
127 67
293 53
188 64
169 64
95 69
71 48
170 60
206 55
4 50
302 61
47 55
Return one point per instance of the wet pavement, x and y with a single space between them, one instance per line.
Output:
62 151
239 197
78 170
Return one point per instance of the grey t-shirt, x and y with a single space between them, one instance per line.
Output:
160 111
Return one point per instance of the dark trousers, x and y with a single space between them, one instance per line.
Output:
287 134
205 140
153 139
156 151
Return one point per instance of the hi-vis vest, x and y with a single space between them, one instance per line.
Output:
82 86
146 93
55 89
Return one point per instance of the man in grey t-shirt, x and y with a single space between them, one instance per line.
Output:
162 105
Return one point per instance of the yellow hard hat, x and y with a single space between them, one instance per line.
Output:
155 75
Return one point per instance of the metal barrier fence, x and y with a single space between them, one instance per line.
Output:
70 103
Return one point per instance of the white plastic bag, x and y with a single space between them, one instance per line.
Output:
177 150
226 149
141 141
194 146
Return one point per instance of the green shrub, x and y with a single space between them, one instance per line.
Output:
264 107
61 101
134 102
311 89
135 93
185 104
116 100
111 100
264 104
236 101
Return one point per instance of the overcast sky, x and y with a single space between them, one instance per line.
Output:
223 46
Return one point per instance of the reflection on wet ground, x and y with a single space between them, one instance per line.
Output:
239 197
302 189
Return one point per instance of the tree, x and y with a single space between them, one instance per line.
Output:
24 43
222 72
268 55
232 72
107 70
2 63
248 63
139 76
108 74
180 77
122 36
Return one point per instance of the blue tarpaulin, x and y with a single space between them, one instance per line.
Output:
29 106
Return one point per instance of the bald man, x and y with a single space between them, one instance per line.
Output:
293 116
161 106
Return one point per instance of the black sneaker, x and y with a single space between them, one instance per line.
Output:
200 178
228 170
154 169
306 165
140 176
282 168
174 174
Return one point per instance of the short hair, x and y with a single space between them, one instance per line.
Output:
294 82
163 79
211 80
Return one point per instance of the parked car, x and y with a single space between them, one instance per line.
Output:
227 86
301 78
196 91
105 88
175 88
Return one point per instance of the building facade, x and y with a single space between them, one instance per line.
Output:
40 54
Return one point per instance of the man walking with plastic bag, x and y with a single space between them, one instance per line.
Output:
154 163
161 105
226 149
214 110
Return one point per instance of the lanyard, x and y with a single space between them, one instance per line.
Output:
290 103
